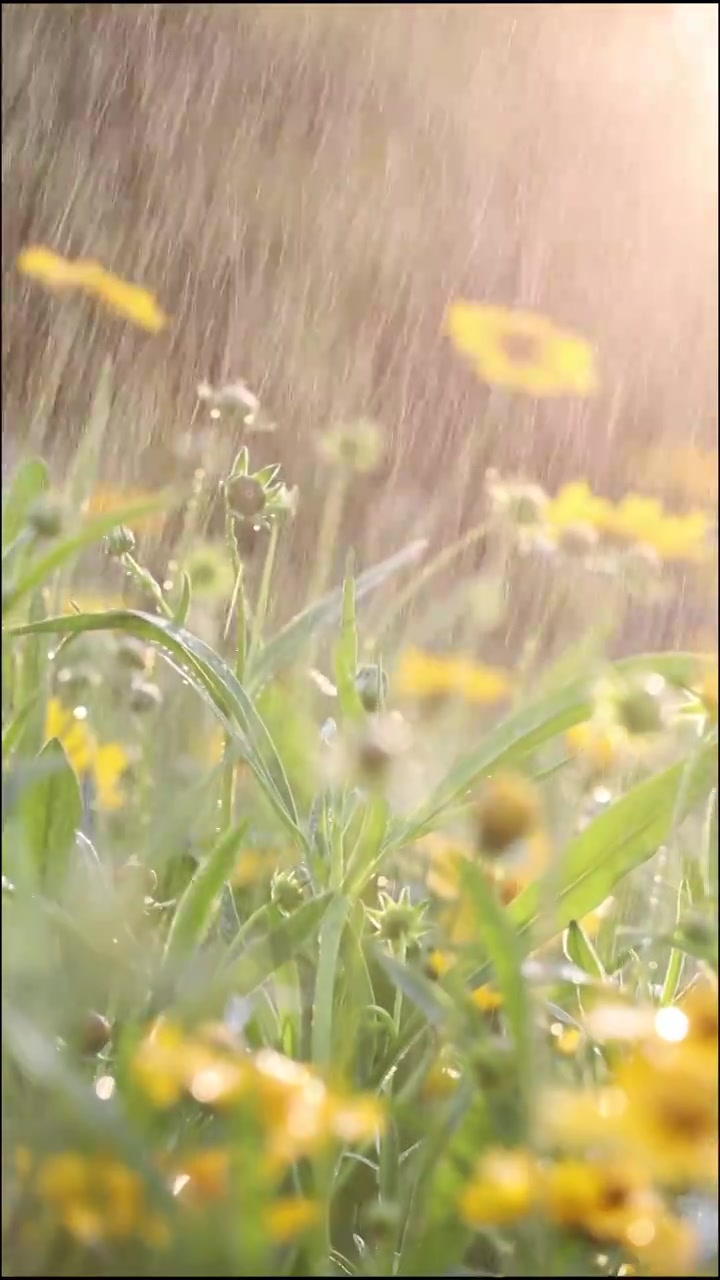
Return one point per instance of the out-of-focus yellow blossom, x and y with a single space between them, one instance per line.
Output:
521 350
289 1216
671 1115
202 1176
169 1064
104 763
97 1199
508 809
443 1077
503 1188
131 301
486 999
296 1111
682 471
567 1040
600 747
638 519
301 1115
575 505
603 1198
664 1245
429 675
106 499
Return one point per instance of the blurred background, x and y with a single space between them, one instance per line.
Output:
306 187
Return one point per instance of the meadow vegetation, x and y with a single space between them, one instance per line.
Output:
330 948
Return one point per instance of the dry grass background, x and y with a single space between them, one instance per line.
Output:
306 186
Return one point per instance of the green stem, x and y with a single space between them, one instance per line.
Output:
264 590
145 580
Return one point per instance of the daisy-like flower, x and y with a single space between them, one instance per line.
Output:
97 1199
104 763
131 301
428 675
521 350
503 1188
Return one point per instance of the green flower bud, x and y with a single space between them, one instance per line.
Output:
246 496
120 541
144 697
94 1034
372 686
45 518
287 890
640 712
133 653
355 446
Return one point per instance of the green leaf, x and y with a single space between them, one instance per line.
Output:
499 941
331 931
523 731
28 483
90 531
14 730
622 837
182 608
710 845
580 951
427 996
211 678
86 462
201 900
277 947
346 652
51 811
286 646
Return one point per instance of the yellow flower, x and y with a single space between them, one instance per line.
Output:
685 471
663 1245
289 1216
486 999
638 519
671 1114
105 764
95 1197
504 1188
575 505
508 809
603 1198
203 1175
168 1064
131 301
429 675
301 1115
521 350
600 747
106 499
443 1077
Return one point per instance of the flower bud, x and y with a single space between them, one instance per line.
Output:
120 541
144 696
246 496
372 686
508 810
45 518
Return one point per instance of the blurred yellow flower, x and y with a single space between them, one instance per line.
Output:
97 1199
429 675
671 1113
678 470
603 1198
521 350
575 504
169 1064
289 1216
642 520
504 1187
600 747
104 763
636 519
106 499
508 809
297 1113
202 1175
131 301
